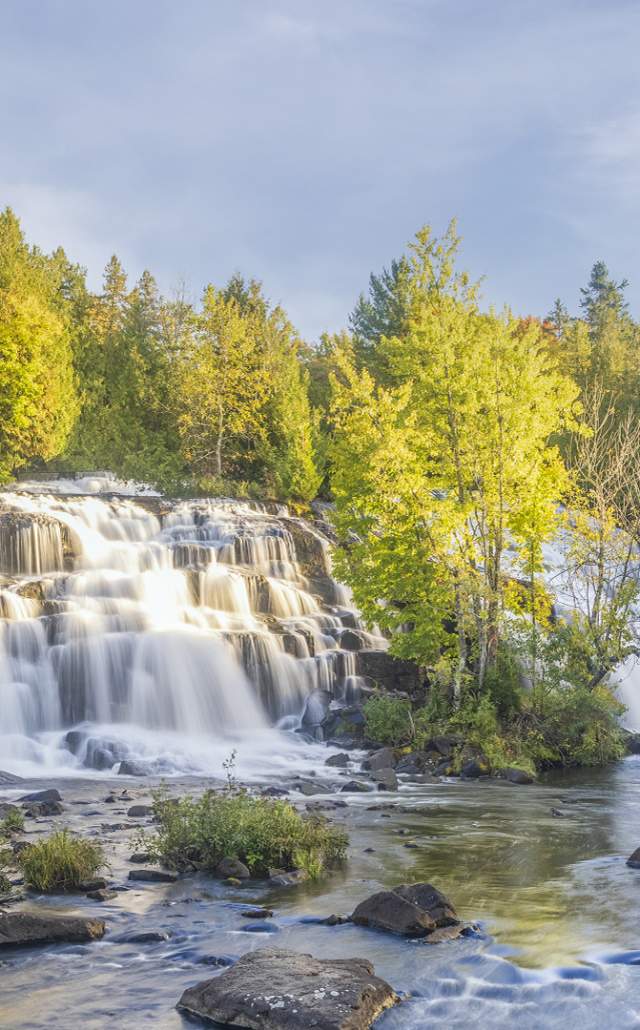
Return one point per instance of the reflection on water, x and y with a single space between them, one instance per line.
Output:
556 903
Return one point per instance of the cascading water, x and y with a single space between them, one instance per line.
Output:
161 632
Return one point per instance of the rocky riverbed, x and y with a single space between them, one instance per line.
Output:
553 897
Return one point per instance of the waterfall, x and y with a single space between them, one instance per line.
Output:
160 631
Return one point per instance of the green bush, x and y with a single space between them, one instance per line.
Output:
6 858
388 720
60 862
261 832
13 822
572 726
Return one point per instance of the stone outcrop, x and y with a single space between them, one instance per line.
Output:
391 674
275 989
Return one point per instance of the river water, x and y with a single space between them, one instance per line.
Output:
556 906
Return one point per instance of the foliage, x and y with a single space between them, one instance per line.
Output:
60 862
13 822
573 725
38 402
435 474
388 720
262 832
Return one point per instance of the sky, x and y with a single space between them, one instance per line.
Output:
304 142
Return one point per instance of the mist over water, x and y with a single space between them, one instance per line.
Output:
166 633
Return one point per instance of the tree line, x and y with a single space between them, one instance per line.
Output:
191 397
484 467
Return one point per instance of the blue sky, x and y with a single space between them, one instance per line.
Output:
303 143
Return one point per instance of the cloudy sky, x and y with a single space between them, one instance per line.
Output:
303 142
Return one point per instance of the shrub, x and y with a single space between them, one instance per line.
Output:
13 822
6 857
574 726
261 832
388 720
60 862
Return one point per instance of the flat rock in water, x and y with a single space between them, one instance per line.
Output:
42 795
102 894
153 875
275 989
414 910
140 811
19 929
144 937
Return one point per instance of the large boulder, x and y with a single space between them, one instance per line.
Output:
18 929
390 673
413 910
42 795
275 989
382 759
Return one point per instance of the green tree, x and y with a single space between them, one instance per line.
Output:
221 386
466 429
38 402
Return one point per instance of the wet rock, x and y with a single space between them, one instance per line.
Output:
274 989
7 778
475 768
144 937
633 860
288 879
414 910
382 759
232 868
308 788
390 673
102 894
352 640
257 913
446 768
632 742
385 779
129 768
325 806
339 761
355 787
42 795
19 929
274 792
40 809
141 856
513 775
98 883
153 875
415 762
140 811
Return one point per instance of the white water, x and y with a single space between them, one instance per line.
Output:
167 638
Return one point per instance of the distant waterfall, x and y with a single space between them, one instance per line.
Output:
144 628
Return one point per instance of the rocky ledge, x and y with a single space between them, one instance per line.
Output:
275 989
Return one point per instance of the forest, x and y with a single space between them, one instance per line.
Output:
482 468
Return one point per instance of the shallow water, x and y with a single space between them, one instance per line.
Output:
557 908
